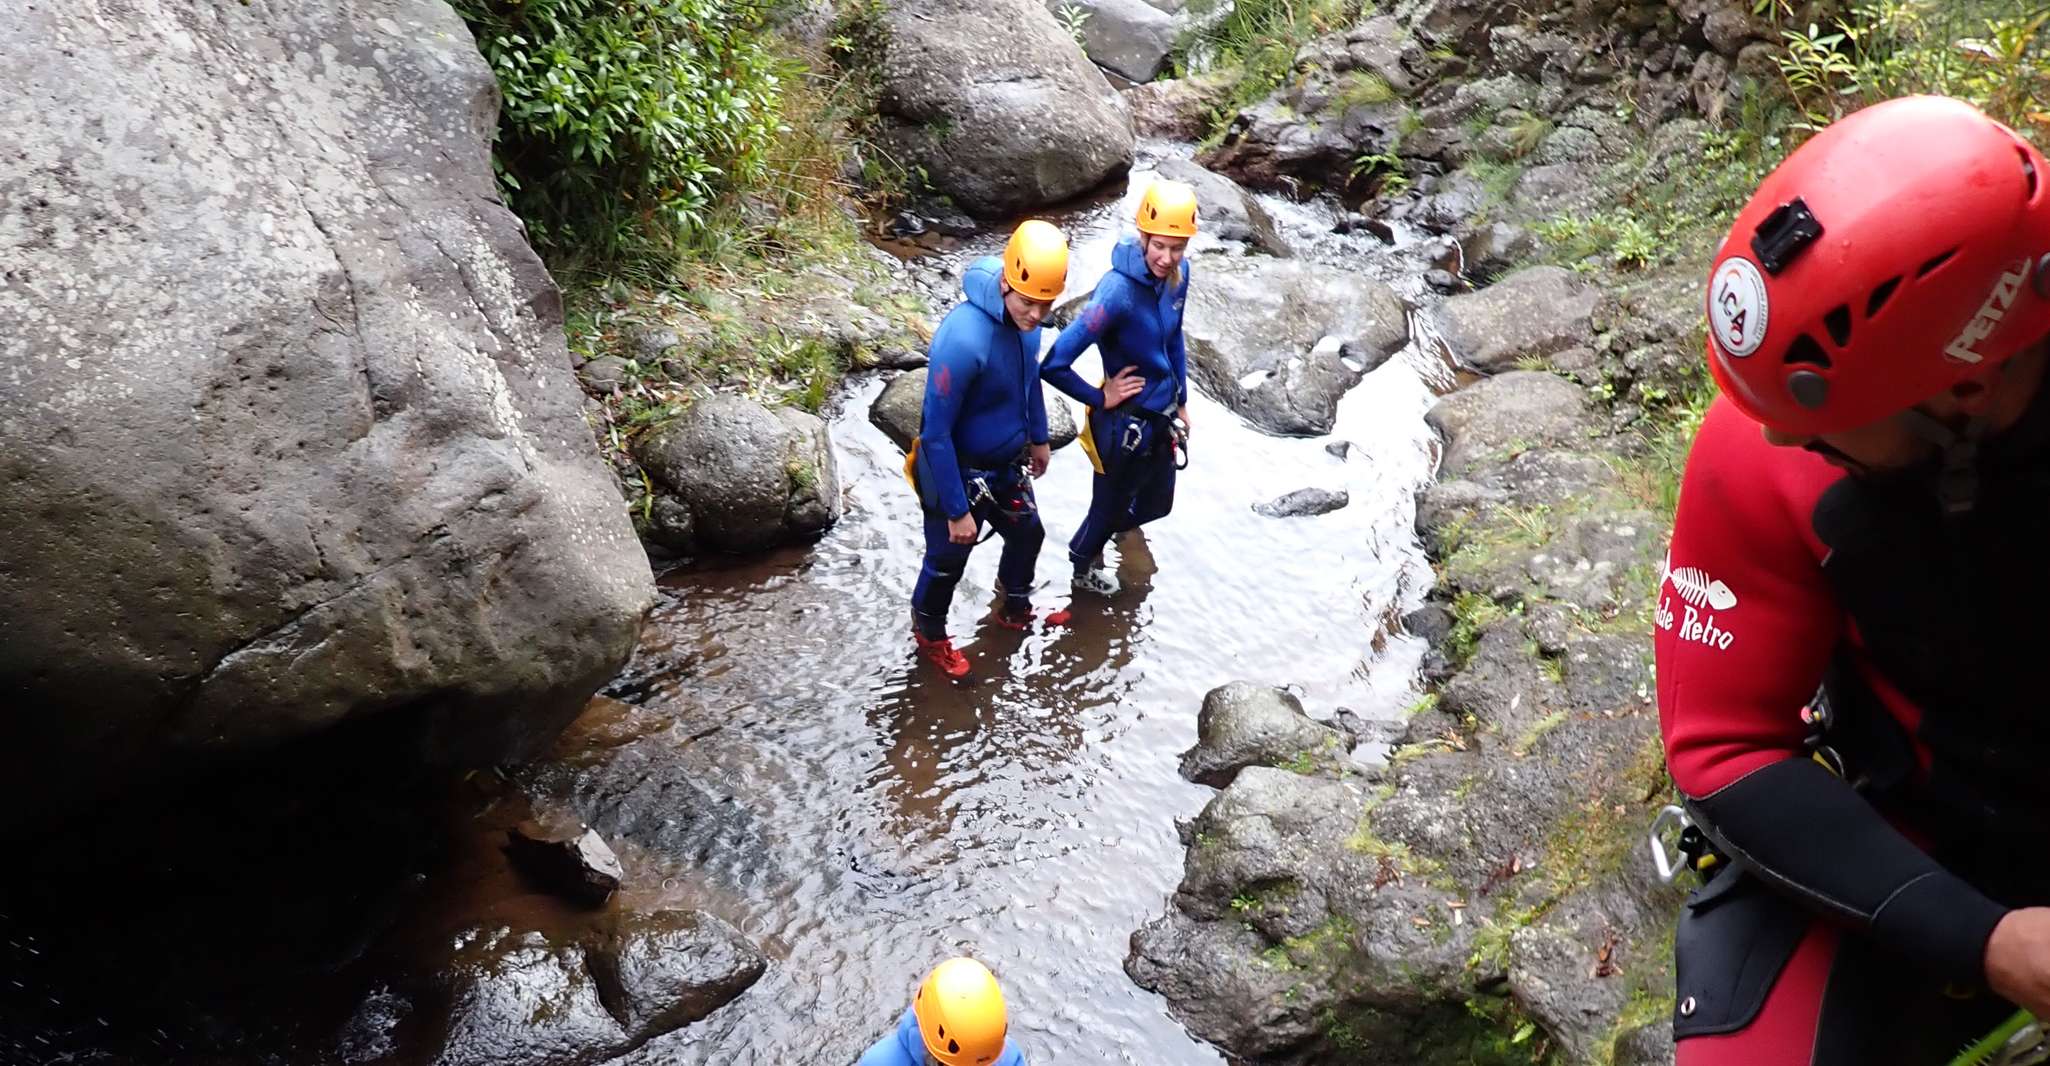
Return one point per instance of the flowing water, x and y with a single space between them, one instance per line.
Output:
1026 816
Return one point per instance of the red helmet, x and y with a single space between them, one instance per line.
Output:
1902 250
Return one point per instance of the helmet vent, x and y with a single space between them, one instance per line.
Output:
2029 172
1806 350
1839 324
1930 267
1880 295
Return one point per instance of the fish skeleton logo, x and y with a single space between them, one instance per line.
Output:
1988 319
1701 597
1697 588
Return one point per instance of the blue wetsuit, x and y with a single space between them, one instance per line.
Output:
983 406
905 1047
1135 320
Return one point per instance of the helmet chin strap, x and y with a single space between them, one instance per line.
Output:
1957 481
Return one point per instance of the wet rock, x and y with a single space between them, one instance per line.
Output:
898 357
1569 144
672 968
997 104
671 525
1302 503
603 374
1243 724
1228 210
1280 342
224 355
1432 622
1443 281
896 411
1129 38
906 224
1526 407
753 478
576 865
1356 223
1338 449
1178 109
517 998
1531 313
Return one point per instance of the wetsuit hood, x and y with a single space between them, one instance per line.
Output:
982 284
1129 259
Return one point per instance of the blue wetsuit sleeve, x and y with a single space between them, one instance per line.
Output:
1036 408
1096 319
953 369
1179 350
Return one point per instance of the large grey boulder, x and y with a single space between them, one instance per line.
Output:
1243 724
896 411
1280 341
749 477
1129 38
1225 209
998 105
1522 408
1532 313
288 432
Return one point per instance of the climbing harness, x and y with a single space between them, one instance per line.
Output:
1015 501
1693 851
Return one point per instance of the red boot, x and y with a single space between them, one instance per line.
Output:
942 654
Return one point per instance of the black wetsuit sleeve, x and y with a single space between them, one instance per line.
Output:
1805 831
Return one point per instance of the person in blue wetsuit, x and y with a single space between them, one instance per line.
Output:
1135 321
983 432
957 1019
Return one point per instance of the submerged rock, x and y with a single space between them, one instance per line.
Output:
289 438
751 477
1304 502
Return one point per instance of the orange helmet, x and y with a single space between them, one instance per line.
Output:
960 1013
1036 260
1168 210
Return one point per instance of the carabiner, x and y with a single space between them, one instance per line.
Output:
1669 817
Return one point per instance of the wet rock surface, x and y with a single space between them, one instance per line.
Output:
1226 209
1243 724
897 408
1281 342
575 863
1525 316
1303 503
998 104
520 998
751 477
226 565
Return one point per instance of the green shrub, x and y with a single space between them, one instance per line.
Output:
625 121
1994 53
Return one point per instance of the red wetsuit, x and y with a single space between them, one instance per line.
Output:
1853 928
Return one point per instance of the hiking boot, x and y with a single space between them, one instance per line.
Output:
1098 580
943 654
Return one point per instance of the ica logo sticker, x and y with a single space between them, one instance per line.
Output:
1737 306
